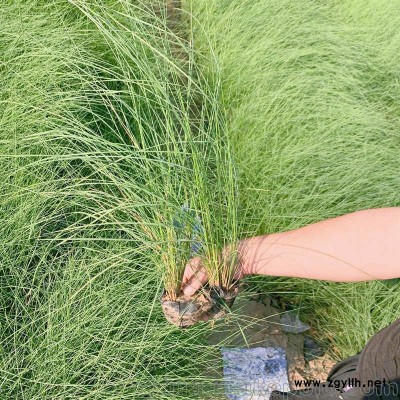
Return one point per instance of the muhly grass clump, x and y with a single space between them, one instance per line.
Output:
311 94
105 134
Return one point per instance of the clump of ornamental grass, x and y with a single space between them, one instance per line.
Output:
105 134
311 95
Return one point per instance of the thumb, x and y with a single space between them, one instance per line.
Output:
189 291
195 277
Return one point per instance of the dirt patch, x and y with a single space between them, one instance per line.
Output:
257 323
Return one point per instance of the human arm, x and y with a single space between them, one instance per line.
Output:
364 245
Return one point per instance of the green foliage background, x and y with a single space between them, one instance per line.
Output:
110 122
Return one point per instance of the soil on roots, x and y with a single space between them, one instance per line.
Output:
211 303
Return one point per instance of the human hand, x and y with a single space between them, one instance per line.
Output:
195 275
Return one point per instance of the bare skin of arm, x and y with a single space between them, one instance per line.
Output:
361 246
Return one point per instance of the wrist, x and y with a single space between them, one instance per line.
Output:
244 264
245 254
251 251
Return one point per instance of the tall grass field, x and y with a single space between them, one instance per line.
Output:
125 123
311 92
